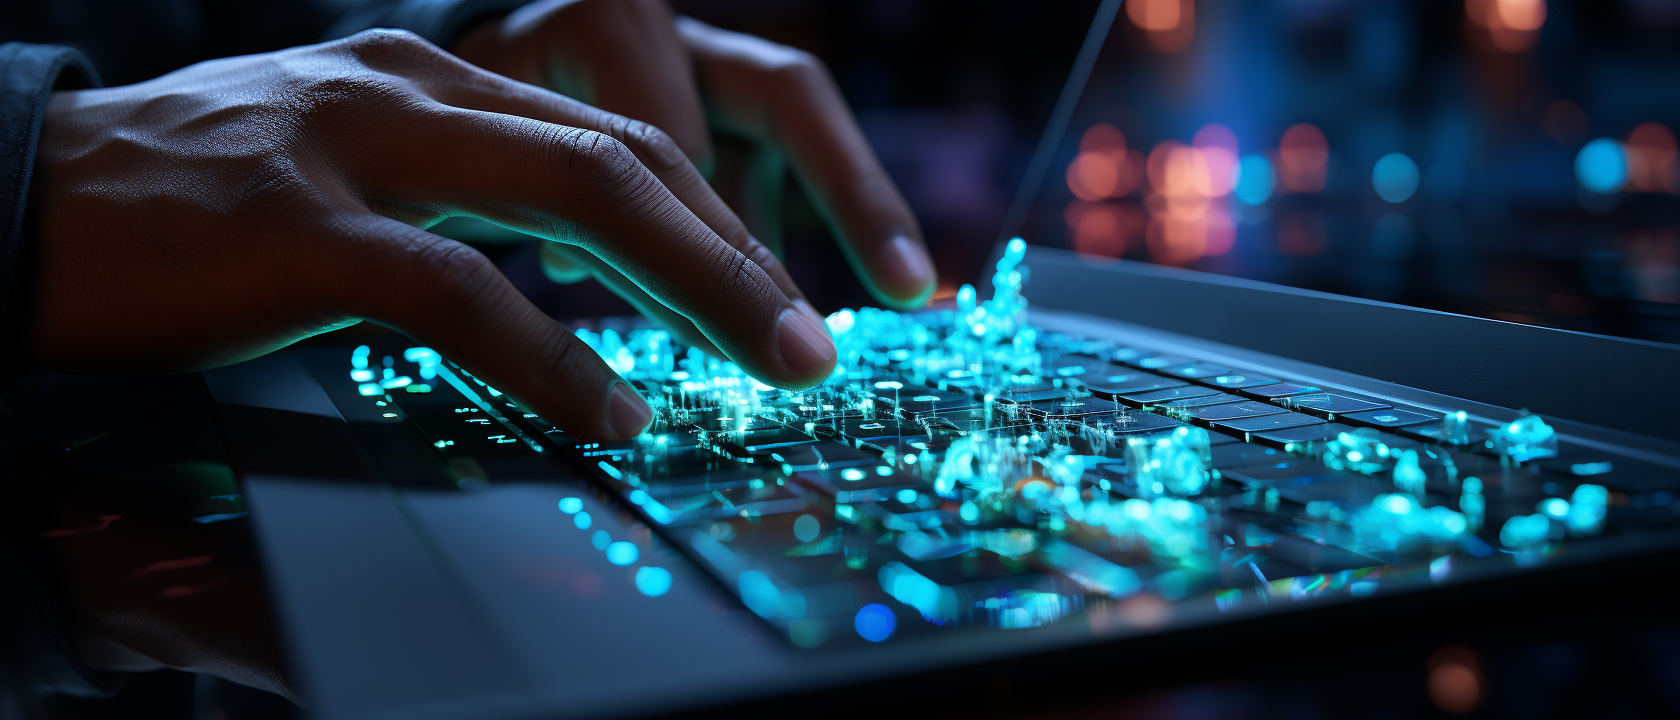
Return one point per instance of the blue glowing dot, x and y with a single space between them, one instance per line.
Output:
581 520
883 470
1252 181
622 553
1554 507
907 496
653 581
1395 177
370 389
875 622
600 539
969 512
362 375
1601 166
806 528
853 474
570 505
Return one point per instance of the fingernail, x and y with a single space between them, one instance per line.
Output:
627 412
804 345
811 312
906 266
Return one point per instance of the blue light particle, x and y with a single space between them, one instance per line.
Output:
600 539
806 528
622 553
581 520
1395 177
1601 166
571 505
875 622
907 496
1253 181
653 581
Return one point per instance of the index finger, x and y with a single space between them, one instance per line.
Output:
784 97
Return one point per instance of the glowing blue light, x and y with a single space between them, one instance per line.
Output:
875 622
600 540
609 470
581 520
1252 181
653 581
571 505
883 470
852 474
1601 166
907 496
359 357
363 375
370 389
806 528
1554 507
622 553
1395 177
396 382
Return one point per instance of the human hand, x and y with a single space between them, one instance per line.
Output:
695 81
236 206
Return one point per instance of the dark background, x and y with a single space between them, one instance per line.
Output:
954 96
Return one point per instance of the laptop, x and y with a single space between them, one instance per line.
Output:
1089 475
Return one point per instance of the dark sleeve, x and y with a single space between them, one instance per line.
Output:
440 21
35 656
28 75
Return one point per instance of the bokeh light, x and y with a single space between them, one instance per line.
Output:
875 622
1218 146
1303 159
1104 168
1650 151
653 581
1104 229
1455 680
1252 180
1171 24
1601 166
622 553
1395 177
1512 25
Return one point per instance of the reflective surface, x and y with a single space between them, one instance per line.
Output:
962 469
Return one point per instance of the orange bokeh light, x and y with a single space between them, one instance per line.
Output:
1170 24
1513 25
1651 155
1104 167
1303 159
1103 229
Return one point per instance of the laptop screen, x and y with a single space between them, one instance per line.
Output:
1509 159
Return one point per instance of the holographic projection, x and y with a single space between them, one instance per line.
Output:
962 468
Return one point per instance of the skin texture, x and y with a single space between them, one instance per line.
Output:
236 206
740 107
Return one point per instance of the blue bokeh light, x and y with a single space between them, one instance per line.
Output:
622 553
581 520
1601 166
1253 181
875 622
653 581
1395 177
571 505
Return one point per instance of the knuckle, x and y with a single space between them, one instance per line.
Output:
385 42
447 276
654 146
561 359
605 166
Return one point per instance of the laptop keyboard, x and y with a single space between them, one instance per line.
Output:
961 468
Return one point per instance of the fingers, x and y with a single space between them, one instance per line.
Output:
451 297
576 260
623 56
585 188
785 98
653 148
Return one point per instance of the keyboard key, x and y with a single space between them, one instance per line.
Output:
1196 370
1228 411
1275 390
1270 422
1079 367
873 431
1135 422
1304 433
1214 399
1125 382
1326 403
1390 418
1178 393
1159 361
1240 454
1072 408
1238 379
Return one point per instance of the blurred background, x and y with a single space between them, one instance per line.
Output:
1512 159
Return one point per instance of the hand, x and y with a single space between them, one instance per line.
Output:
695 81
234 207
